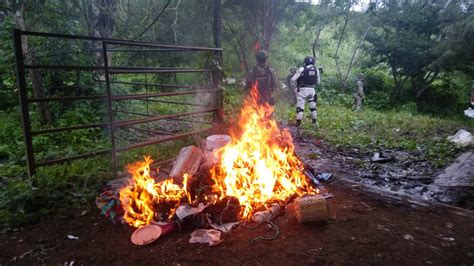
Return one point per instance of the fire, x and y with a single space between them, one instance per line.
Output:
259 166
256 46
141 198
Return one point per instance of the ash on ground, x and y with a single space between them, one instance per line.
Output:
404 172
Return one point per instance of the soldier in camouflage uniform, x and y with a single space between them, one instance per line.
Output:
291 86
358 92
266 78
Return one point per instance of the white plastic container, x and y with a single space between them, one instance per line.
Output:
214 142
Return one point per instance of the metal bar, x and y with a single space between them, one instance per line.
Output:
217 12
143 70
148 44
149 95
121 69
119 123
154 165
109 103
179 103
153 118
161 140
67 98
144 50
217 75
64 67
175 119
152 131
153 84
132 113
61 160
116 41
23 95
71 128
193 121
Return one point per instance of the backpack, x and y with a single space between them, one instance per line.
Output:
309 77
265 77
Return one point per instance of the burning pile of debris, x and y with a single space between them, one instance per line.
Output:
249 176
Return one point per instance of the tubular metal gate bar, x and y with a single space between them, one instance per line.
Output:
112 124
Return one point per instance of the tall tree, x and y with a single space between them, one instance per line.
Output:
407 37
252 24
35 75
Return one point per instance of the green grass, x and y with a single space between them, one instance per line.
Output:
372 130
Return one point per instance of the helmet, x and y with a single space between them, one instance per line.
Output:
309 60
293 69
360 76
261 56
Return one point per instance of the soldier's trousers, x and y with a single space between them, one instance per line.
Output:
306 94
357 104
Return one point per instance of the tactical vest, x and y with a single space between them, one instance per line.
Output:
263 75
309 77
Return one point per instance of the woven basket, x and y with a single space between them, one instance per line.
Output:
311 209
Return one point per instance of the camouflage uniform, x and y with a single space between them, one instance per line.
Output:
358 93
291 86
267 82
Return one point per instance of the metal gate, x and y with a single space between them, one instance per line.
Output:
142 91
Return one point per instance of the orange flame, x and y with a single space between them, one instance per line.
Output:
143 194
259 166
256 46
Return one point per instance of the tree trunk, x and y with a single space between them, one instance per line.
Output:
102 26
318 33
399 82
344 83
336 54
36 79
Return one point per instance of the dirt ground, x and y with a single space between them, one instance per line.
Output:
364 229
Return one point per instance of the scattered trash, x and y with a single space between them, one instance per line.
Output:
186 210
83 213
448 238
146 234
211 236
72 237
462 138
271 225
224 228
267 215
311 209
188 161
213 145
214 142
469 112
378 158
69 263
230 81
108 203
311 176
326 195
168 228
324 176
408 237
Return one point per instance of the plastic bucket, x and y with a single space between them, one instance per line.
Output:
214 142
